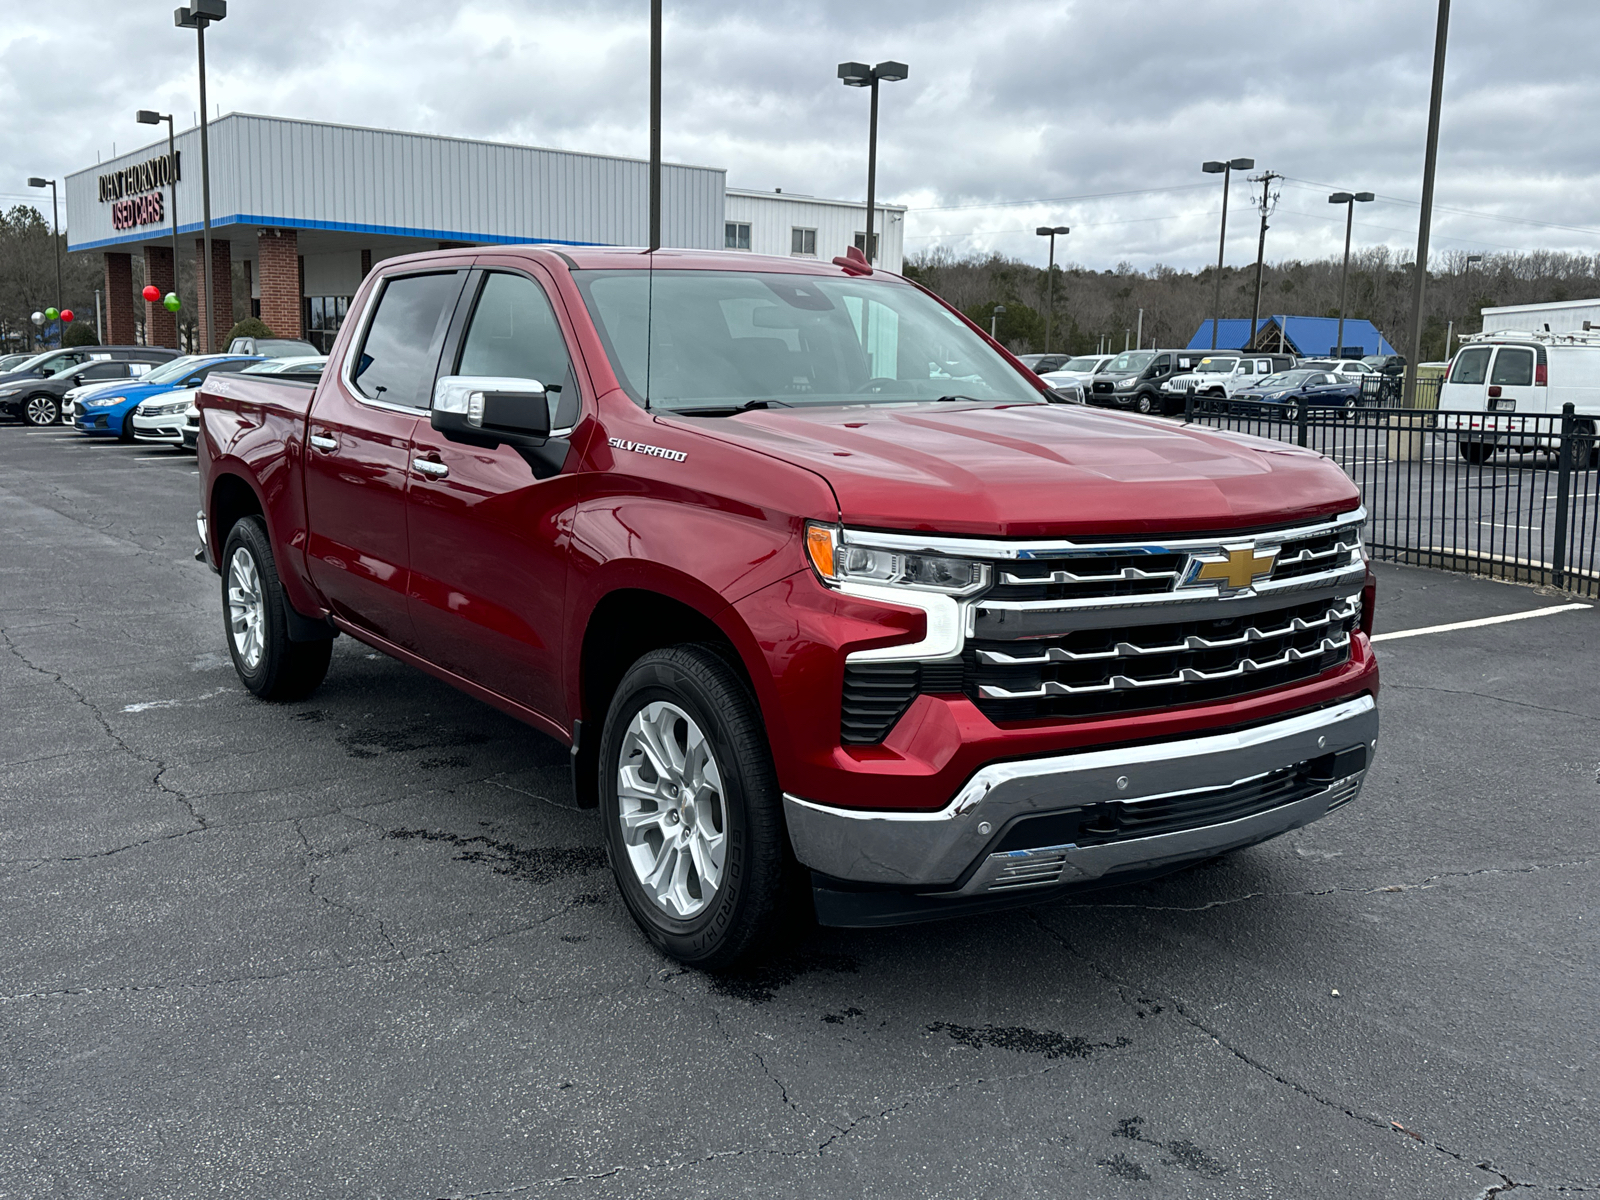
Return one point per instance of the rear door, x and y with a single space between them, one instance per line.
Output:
487 540
1511 381
359 456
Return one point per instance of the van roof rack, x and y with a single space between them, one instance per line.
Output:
1583 337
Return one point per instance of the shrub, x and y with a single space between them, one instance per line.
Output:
251 327
79 333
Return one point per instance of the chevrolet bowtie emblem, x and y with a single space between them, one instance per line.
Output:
1241 568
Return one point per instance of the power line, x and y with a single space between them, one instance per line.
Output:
1464 212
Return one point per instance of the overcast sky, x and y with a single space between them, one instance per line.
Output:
1052 103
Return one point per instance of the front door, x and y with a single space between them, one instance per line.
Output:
487 539
360 453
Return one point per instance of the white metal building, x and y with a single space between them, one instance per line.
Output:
781 222
1562 316
308 207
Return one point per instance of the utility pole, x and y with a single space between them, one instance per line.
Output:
1141 330
1419 285
1269 199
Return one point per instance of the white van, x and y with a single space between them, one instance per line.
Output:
1526 374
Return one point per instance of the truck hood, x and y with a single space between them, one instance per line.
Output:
1040 470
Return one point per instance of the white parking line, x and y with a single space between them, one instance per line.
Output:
1521 616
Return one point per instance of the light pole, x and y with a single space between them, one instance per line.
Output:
1466 283
1430 158
1226 170
198 15
146 116
1050 232
1349 200
55 221
855 74
994 321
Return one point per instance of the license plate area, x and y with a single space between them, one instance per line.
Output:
1505 404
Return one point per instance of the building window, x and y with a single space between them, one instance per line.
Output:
321 317
736 235
803 242
861 244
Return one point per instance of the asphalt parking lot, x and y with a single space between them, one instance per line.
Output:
359 946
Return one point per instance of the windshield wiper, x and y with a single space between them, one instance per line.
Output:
728 410
973 399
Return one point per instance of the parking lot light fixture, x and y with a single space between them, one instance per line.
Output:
854 74
1349 200
55 220
994 320
1226 170
147 116
197 16
1050 232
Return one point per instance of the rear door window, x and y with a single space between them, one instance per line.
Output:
1513 367
1472 365
401 349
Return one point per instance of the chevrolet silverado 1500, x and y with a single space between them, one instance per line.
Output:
817 586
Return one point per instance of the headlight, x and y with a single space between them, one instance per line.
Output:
1127 385
103 401
840 562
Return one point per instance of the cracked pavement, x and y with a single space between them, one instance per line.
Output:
361 945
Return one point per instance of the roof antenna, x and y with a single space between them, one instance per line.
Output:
655 190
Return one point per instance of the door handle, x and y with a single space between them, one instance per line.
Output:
433 470
323 442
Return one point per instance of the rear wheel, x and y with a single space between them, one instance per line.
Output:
1475 453
254 618
41 410
1585 453
690 804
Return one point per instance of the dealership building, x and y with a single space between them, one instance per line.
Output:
307 208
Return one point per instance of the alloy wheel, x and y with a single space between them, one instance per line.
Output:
672 809
246 609
41 410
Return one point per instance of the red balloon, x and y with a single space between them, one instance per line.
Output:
66 316
151 292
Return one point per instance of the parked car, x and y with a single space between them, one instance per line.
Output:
1304 386
1041 364
1507 377
191 426
41 401
821 624
1071 381
163 418
1345 368
273 347
1133 380
9 362
105 412
1225 373
25 380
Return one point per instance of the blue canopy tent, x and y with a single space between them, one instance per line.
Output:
1308 337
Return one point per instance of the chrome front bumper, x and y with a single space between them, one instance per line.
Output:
949 851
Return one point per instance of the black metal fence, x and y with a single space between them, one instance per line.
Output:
1509 496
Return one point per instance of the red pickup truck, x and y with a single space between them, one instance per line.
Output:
828 600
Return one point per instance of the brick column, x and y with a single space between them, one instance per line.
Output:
119 299
221 289
160 326
278 252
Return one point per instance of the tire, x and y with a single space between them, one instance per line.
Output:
126 436
1144 403
1476 453
682 700
1585 453
255 625
41 410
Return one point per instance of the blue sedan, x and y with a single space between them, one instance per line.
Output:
107 411
1312 388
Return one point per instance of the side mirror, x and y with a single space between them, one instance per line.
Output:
491 411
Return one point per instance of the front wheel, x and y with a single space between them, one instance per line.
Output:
254 617
1144 403
41 410
690 803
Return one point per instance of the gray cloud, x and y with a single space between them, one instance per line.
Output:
1005 101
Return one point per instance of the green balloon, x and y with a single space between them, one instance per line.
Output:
50 314
171 303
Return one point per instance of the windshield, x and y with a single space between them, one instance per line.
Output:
724 339
282 348
1216 366
37 361
286 366
1289 378
1087 363
1131 360
66 369
171 372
